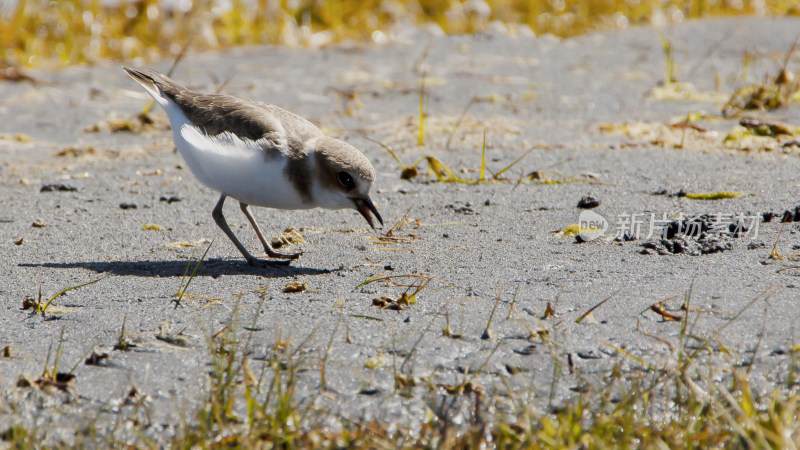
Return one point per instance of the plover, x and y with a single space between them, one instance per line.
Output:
260 155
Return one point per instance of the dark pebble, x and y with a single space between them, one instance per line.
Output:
526 351
588 202
128 205
738 227
57 187
169 200
671 229
388 267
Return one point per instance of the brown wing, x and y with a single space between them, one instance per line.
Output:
245 118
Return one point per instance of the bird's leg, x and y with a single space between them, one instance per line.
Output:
220 220
267 248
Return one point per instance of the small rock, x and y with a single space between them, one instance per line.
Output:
671 230
514 369
128 205
526 351
38 224
388 267
588 202
170 200
57 187
626 237
294 286
96 358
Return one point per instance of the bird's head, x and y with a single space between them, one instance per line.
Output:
345 177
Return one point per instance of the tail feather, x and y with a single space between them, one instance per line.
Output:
159 86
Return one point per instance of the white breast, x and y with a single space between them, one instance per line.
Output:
239 168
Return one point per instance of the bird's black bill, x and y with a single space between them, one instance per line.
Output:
365 207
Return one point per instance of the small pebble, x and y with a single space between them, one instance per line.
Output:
38 224
57 187
588 202
294 286
128 205
388 267
170 200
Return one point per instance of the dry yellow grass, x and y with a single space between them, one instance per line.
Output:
44 33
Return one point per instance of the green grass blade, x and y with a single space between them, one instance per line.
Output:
482 178
497 175
64 291
421 136
183 289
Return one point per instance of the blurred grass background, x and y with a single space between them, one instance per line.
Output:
47 33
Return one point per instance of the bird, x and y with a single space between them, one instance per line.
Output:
261 155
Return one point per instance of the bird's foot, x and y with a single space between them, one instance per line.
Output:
290 256
256 262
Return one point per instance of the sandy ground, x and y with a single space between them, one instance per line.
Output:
479 242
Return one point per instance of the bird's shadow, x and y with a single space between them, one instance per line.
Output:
177 268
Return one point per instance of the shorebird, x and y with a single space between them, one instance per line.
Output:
260 155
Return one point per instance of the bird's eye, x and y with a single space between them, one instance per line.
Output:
346 180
